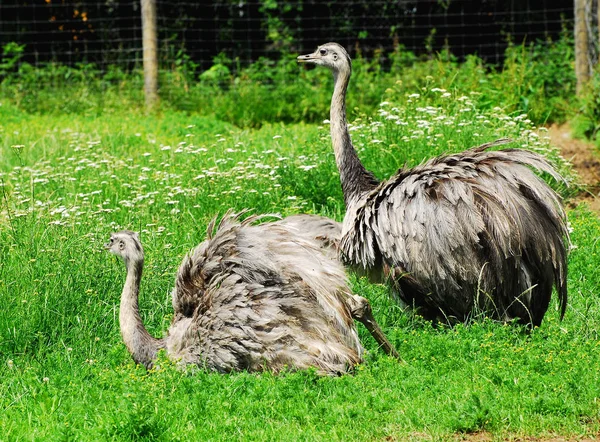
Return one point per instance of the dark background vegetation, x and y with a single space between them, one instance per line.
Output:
224 57
109 32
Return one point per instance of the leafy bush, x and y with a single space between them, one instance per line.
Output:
586 123
59 89
536 78
11 55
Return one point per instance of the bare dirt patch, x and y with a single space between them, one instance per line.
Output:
487 437
586 161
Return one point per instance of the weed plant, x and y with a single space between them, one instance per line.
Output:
536 78
67 180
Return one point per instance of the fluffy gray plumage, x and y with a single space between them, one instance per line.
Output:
251 297
471 232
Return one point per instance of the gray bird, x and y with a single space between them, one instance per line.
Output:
253 297
461 234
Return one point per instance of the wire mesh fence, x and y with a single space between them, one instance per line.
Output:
73 32
108 32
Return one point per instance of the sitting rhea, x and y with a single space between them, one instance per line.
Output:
253 297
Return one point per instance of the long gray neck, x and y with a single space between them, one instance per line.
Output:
141 345
355 179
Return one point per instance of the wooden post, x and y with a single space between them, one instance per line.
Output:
150 55
582 43
598 30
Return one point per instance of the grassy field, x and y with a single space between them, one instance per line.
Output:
68 180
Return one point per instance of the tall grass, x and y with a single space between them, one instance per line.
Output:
536 78
67 180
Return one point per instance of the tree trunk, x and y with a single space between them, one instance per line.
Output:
150 53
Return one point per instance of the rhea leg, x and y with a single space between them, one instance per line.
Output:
361 311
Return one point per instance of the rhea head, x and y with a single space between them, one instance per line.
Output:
331 55
127 245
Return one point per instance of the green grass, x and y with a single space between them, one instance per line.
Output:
68 181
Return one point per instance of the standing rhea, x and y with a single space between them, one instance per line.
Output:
462 233
253 297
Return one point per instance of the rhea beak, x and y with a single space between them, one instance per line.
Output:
308 58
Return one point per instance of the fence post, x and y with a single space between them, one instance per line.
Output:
582 43
150 52
598 29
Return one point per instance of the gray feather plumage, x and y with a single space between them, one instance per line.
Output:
251 297
256 297
477 231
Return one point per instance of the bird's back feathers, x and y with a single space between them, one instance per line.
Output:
474 230
263 297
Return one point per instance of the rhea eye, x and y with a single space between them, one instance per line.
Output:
323 51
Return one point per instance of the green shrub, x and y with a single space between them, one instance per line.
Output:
11 55
536 78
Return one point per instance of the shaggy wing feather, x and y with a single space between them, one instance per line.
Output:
206 259
325 231
265 297
255 327
477 228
